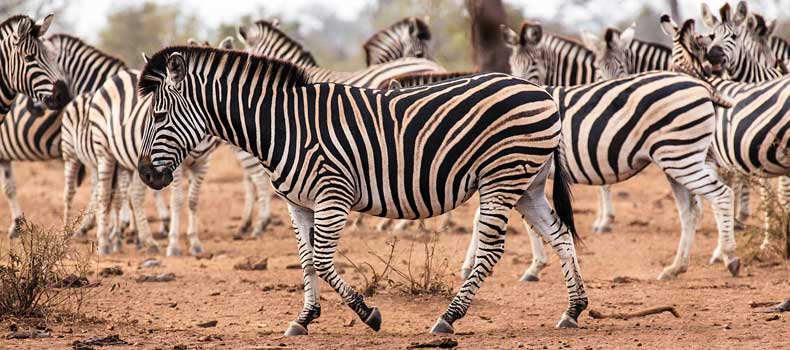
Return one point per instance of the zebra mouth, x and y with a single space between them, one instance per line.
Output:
151 177
60 96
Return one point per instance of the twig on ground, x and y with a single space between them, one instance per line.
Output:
625 316
783 307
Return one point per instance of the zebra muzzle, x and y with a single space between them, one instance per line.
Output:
60 96
152 177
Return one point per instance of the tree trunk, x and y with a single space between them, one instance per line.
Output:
489 50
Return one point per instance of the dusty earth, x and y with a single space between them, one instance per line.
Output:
253 308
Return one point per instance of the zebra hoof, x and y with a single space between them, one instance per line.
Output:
196 249
669 273
567 322
374 320
173 250
14 232
442 327
528 277
295 329
734 267
153 249
465 272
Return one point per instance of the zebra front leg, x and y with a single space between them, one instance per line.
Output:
176 202
164 214
70 170
690 212
330 219
118 200
539 258
603 222
137 201
264 195
384 224
249 203
302 221
741 194
492 224
197 174
543 221
702 180
9 187
89 217
469 260
107 170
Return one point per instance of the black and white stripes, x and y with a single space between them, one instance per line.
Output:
332 149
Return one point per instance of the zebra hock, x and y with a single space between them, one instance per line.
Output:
332 149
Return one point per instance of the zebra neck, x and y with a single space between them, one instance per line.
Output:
566 62
85 67
746 70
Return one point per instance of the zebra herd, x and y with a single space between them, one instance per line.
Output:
406 139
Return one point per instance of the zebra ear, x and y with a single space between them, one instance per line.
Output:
242 34
509 36
24 27
531 33
769 28
414 30
591 42
668 26
145 57
707 17
275 22
394 84
176 68
226 43
741 13
43 25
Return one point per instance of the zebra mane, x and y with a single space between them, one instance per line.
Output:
77 41
306 57
416 79
155 71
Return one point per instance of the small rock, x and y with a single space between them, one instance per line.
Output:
209 324
214 294
624 279
204 256
180 347
111 271
293 267
446 343
772 318
34 334
350 322
162 277
253 264
149 263
72 281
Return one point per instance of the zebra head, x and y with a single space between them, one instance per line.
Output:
29 63
267 39
612 54
759 32
527 56
174 126
688 48
726 50
409 37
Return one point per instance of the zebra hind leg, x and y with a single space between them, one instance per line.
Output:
197 174
539 258
302 220
490 246
89 218
264 199
690 212
545 222
249 203
603 221
9 187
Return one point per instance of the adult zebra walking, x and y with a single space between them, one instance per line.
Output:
332 149
614 129
31 133
27 66
267 39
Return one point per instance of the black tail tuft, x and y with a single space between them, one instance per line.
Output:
80 175
562 195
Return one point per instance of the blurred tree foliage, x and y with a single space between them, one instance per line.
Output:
145 27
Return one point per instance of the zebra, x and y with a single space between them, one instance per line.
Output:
408 37
765 154
331 149
267 39
27 65
114 122
662 118
32 133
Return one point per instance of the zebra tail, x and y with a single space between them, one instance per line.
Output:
80 175
562 196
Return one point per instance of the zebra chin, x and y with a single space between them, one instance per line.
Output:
151 177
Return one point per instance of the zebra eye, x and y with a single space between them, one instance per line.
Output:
30 58
159 116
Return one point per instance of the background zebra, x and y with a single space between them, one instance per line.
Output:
266 38
26 66
613 129
409 37
31 133
332 149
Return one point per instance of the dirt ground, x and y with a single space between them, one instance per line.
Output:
253 308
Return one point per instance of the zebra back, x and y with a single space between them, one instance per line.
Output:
408 37
31 133
265 38
418 79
